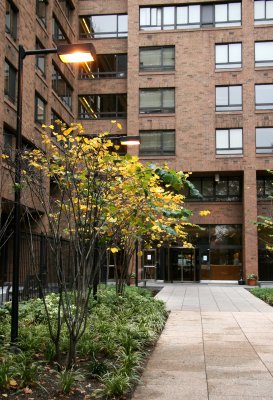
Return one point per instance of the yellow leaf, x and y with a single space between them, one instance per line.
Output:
4 395
140 253
114 250
119 125
113 121
204 213
12 382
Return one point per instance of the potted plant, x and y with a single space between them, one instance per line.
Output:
132 278
252 279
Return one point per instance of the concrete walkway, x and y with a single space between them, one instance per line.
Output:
217 344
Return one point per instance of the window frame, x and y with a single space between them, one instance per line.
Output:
157 110
265 20
228 64
58 33
11 28
263 63
160 25
39 46
55 87
36 114
263 196
229 107
41 11
102 35
160 67
95 99
222 151
162 152
263 106
216 197
262 148
96 74
10 82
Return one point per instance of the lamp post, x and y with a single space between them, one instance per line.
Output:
70 53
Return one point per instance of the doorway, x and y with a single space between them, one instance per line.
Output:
182 264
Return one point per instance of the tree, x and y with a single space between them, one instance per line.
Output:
97 200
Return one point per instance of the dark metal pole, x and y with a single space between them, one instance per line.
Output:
17 203
136 263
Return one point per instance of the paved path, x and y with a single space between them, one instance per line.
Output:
217 344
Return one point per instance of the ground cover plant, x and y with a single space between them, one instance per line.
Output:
119 333
265 294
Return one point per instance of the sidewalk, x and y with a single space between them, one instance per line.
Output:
217 344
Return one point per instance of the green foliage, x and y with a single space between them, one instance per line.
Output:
114 384
68 378
265 294
112 349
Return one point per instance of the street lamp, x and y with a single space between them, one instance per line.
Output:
70 53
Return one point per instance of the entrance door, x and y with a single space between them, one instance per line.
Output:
182 264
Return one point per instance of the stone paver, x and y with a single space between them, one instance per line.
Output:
217 345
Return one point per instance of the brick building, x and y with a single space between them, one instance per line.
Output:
193 79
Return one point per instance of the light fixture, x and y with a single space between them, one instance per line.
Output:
75 53
217 178
130 140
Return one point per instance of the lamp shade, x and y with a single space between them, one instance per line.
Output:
130 140
75 53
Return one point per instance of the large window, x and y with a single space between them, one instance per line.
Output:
40 58
225 188
263 54
105 66
40 109
11 19
157 143
228 98
96 106
157 100
58 33
228 55
157 58
264 97
41 6
10 81
264 140
190 16
61 87
103 26
229 141
67 7
265 188
263 11
8 142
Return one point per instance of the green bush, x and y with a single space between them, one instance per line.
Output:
265 294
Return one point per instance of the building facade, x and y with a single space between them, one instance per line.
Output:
193 79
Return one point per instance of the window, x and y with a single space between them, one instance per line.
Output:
157 143
157 101
40 109
264 97
229 98
11 19
67 8
58 34
10 81
263 54
264 140
157 58
57 125
229 141
40 58
264 188
95 106
8 143
228 188
61 87
263 12
105 66
41 6
190 16
103 26
228 55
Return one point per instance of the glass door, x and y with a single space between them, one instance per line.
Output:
182 264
